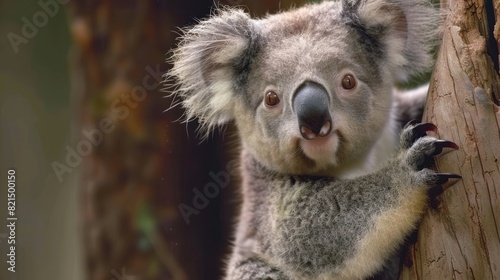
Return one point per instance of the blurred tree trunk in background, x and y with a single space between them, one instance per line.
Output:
460 238
139 164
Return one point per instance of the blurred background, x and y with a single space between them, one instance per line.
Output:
108 185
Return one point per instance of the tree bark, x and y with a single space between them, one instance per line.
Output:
459 237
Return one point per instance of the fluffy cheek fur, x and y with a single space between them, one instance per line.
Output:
373 119
275 147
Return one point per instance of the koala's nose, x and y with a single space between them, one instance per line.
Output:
310 103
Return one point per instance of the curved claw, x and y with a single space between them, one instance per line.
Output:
420 130
442 178
410 123
440 144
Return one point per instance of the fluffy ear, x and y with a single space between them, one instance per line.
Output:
209 61
405 31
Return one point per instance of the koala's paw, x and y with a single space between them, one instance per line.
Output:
418 149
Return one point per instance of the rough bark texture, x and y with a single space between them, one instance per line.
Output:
459 238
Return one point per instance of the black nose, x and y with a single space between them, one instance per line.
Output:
311 106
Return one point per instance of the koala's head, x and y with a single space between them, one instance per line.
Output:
309 89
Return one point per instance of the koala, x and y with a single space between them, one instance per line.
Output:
331 184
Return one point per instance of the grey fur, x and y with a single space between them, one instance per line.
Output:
333 208
310 226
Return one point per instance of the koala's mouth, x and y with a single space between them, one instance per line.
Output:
322 150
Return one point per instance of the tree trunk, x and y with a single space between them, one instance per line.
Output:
459 237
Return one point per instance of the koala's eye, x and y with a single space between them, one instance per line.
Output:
348 81
271 99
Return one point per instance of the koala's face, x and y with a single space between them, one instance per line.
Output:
314 101
310 89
